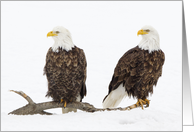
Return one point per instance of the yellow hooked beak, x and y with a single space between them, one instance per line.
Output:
51 34
141 32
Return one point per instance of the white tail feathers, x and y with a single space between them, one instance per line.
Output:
115 97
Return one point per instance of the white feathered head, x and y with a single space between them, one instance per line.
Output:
150 39
62 38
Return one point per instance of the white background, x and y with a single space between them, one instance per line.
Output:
105 31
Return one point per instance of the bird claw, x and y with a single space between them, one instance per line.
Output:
65 103
147 102
141 103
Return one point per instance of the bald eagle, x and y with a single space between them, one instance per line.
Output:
137 71
65 69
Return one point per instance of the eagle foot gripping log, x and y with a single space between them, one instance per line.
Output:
142 102
65 103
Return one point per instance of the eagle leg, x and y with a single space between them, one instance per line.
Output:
61 100
141 102
65 103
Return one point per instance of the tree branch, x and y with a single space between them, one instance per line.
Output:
38 108
30 101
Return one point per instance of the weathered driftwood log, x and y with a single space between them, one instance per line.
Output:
38 108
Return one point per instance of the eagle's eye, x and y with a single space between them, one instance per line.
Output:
57 31
147 30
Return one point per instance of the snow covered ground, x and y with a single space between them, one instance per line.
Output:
105 30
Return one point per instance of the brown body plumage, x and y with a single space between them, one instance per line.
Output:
66 74
138 71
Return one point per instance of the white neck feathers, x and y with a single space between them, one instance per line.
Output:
62 44
149 44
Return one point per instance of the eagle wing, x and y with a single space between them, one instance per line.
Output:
129 68
83 65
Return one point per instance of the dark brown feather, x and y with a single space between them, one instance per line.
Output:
138 71
66 74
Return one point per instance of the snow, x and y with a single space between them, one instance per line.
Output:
105 30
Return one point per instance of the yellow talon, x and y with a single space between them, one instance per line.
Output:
141 102
147 102
65 104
